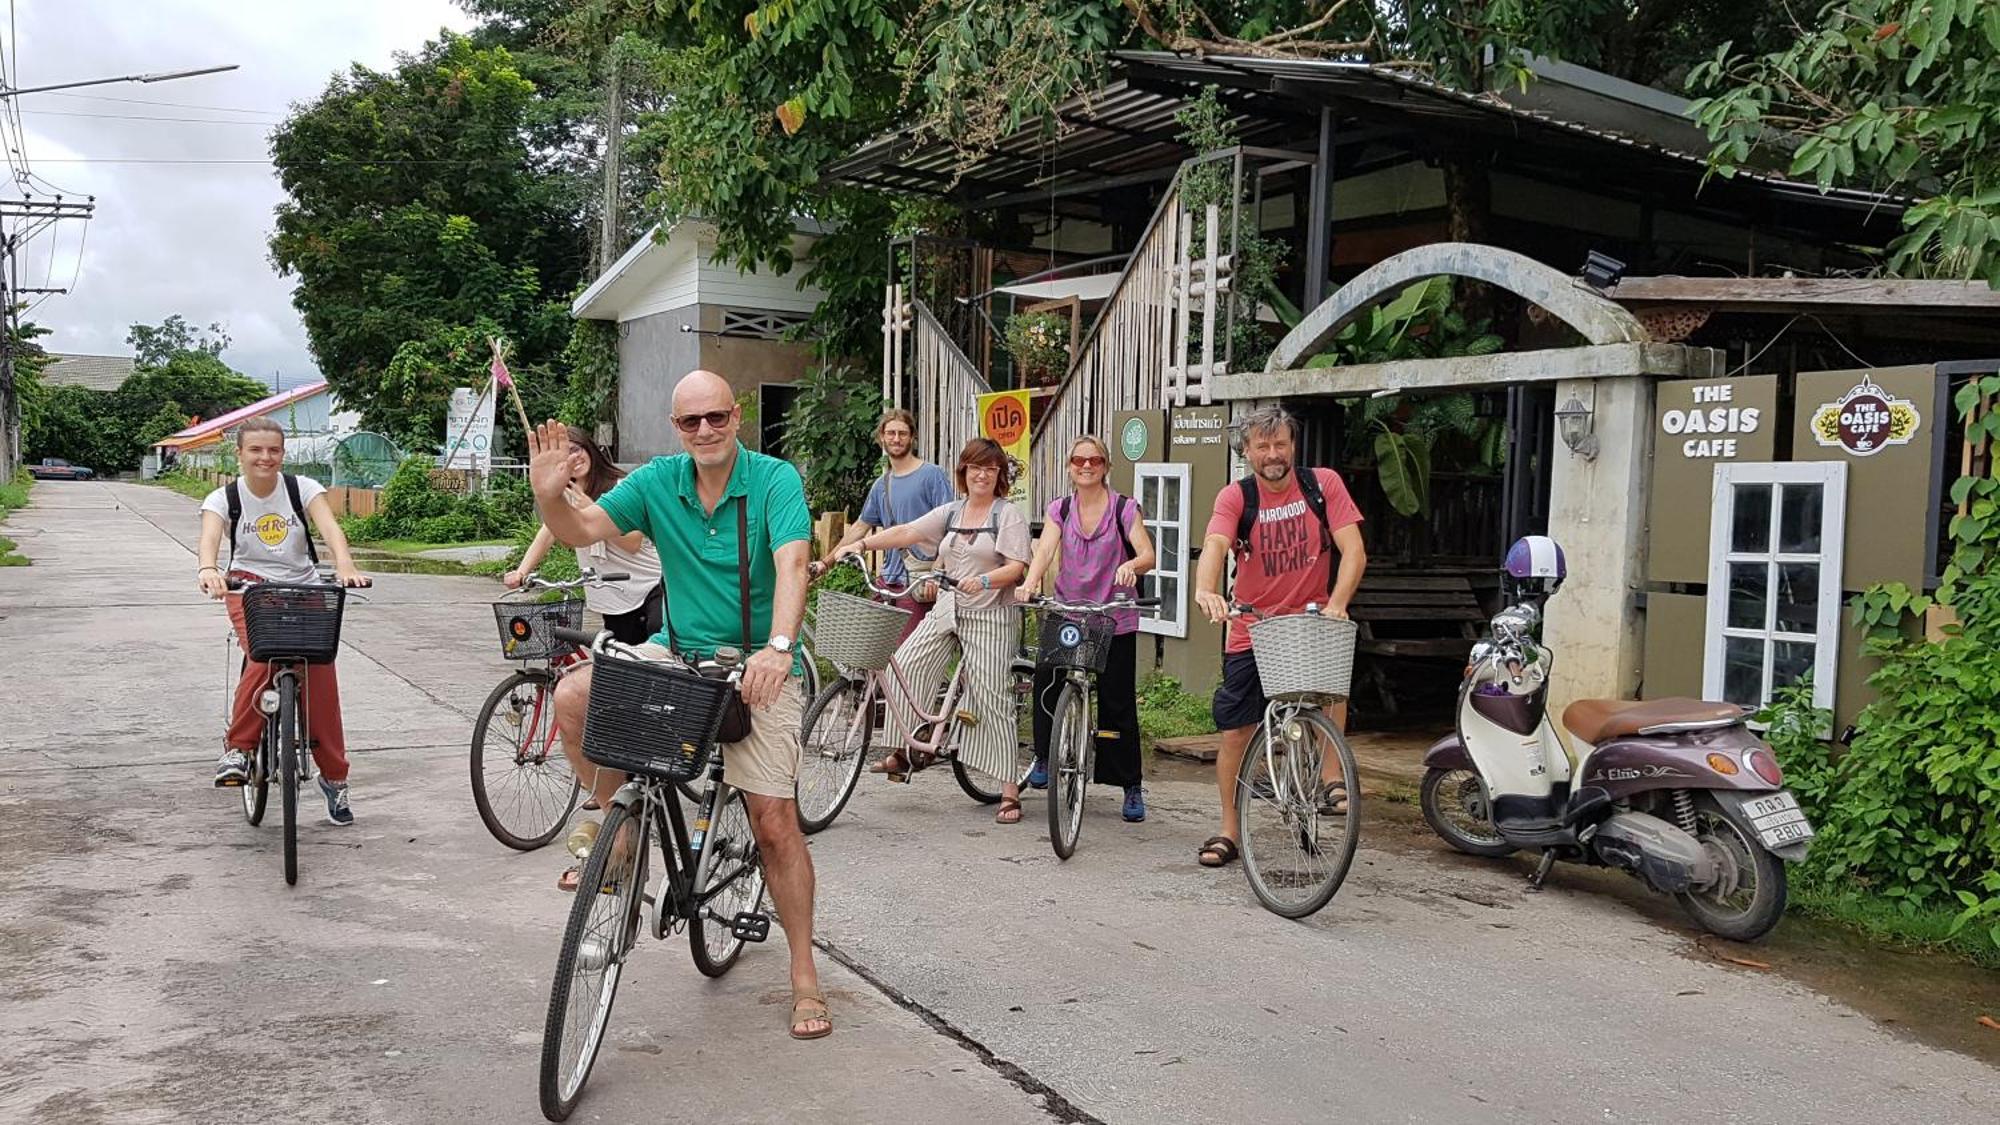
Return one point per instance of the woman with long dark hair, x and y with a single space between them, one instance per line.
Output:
631 608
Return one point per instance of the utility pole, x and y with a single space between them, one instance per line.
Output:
609 247
37 215
33 215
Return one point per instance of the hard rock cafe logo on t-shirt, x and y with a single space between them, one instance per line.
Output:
272 528
1865 420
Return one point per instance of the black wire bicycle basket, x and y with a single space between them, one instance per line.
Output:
527 629
293 622
652 717
1075 642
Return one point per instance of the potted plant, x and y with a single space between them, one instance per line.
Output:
1038 342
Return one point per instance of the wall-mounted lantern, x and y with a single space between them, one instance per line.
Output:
1574 423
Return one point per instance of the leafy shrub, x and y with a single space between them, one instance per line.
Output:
1911 813
452 527
830 433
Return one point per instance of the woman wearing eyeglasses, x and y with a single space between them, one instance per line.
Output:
1100 539
981 542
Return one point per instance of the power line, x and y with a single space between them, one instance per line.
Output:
172 105
149 117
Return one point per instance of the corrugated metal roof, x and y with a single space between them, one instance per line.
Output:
1127 129
202 433
97 372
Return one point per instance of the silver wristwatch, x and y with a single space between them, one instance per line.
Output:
780 642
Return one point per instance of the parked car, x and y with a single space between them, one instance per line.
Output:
55 468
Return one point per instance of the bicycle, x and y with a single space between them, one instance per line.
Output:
1079 647
521 709
859 637
1295 863
656 720
290 626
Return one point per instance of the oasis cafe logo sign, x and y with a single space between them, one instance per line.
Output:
1865 420
1711 428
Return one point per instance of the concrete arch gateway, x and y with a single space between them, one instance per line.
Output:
1598 319
1597 499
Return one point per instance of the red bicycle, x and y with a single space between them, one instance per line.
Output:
521 782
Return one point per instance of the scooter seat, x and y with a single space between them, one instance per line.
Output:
1596 720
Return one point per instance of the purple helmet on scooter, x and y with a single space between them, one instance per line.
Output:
1535 565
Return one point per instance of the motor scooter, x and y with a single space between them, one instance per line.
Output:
1678 792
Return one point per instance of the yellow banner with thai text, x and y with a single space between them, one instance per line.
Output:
1003 416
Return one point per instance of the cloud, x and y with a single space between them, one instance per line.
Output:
170 236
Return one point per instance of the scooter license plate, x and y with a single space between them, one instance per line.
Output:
1778 819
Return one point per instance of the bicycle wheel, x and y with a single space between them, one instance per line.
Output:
735 868
1069 769
832 750
257 780
522 783
985 789
1295 852
288 771
603 926
809 678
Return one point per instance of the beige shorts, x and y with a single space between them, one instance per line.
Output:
767 762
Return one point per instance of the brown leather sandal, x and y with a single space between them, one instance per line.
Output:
810 1009
1008 805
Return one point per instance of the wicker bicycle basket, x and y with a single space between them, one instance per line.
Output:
1304 654
855 632
652 718
527 629
1075 642
293 622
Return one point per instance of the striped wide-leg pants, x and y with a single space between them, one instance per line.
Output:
988 639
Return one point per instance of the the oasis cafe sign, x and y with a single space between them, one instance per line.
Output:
1718 420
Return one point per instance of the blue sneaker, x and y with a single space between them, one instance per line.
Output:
337 812
1135 804
1038 778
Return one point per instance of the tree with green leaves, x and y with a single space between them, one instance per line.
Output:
418 214
153 345
1900 96
111 430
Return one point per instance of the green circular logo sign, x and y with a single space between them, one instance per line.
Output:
1132 438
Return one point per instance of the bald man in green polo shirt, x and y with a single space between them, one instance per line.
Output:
687 506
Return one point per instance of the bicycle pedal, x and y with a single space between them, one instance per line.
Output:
750 927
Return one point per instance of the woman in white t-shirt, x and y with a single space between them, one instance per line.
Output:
631 608
272 544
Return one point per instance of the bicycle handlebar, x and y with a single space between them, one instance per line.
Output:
821 569
236 585
603 642
587 578
1044 601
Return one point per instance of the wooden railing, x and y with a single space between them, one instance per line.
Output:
948 387
1120 364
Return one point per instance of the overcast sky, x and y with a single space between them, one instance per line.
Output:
176 237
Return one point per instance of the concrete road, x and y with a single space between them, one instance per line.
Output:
154 967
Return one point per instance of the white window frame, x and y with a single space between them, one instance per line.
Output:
1831 476
1176 476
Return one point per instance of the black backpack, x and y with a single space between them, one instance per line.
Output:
1124 540
1315 500
235 499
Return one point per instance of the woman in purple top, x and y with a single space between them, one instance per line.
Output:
1095 541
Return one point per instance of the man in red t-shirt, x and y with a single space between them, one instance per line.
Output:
1284 567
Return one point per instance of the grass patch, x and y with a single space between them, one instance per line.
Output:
1166 710
193 488
418 546
1879 920
13 495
